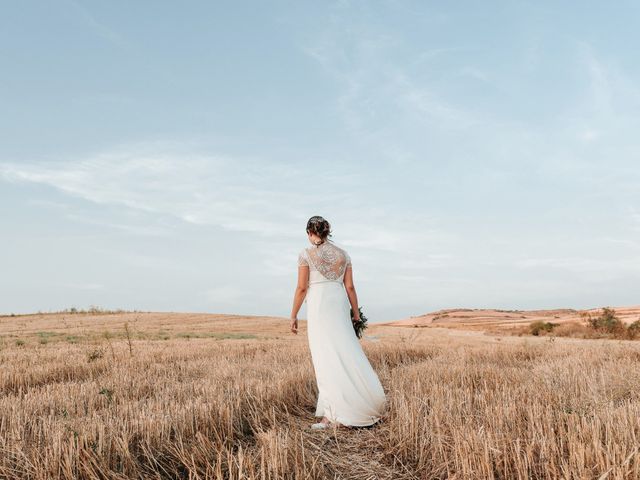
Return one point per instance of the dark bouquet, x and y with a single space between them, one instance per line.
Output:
359 325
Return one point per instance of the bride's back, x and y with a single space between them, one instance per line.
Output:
326 261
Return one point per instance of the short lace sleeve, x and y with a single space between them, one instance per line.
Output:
303 261
347 260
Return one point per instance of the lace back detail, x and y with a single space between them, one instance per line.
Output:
327 258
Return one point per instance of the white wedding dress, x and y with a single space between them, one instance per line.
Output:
349 391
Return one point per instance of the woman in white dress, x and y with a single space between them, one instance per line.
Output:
349 391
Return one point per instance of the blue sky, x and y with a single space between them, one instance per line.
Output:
166 155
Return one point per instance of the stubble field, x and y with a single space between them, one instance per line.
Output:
145 395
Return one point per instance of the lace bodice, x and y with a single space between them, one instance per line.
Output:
327 258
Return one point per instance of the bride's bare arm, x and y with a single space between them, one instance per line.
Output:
351 291
298 296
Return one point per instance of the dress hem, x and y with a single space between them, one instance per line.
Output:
377 419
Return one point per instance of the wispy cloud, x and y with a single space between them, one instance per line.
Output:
198 189
430 105
383 104
601 92
476 74
98 27
264 198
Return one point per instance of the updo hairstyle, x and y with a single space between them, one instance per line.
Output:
319 226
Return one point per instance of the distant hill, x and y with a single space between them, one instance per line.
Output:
468 318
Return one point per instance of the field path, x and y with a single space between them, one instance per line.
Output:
351 453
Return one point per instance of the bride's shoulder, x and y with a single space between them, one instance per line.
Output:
343 250
346 254
303 257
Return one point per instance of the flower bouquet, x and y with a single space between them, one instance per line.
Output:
359 325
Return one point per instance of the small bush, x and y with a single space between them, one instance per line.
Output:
607 322
539 327
633 330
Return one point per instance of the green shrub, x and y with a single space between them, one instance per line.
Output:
607 322
633 330
538 327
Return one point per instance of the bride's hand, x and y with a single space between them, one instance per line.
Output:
294 325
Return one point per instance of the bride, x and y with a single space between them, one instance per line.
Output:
349 391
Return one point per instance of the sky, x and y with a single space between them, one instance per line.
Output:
165 156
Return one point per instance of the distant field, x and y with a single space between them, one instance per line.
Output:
170 395
496 320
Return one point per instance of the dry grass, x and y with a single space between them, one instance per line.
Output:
201 400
